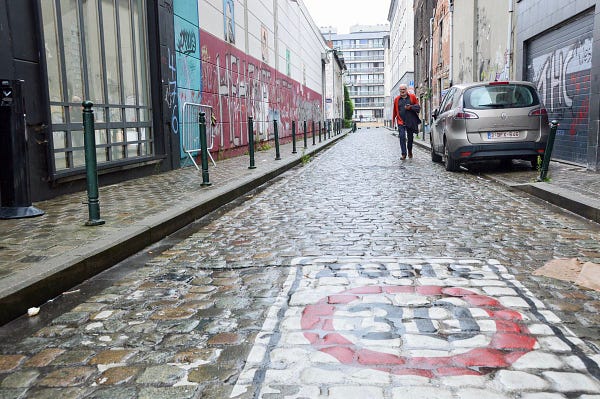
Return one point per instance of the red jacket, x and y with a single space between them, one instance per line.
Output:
396 112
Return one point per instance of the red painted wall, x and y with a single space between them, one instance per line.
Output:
237 86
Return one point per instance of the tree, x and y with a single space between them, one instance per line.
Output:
348 106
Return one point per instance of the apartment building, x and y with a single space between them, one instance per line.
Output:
363 52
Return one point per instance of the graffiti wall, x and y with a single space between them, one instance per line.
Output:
189 71
237 86
562 77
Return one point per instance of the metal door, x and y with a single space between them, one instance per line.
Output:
559 64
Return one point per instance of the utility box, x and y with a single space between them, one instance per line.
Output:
15 198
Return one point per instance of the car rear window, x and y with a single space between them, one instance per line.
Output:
500 96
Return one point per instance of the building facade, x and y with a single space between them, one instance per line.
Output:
472 41
401 19
145 64
423 32
363 52
334 84
558 48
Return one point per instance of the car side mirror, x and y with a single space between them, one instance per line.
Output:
435 113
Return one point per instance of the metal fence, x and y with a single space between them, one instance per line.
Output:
191 131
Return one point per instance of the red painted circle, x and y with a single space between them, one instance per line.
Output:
510 341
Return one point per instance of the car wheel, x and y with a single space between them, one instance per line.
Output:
450 163
434 157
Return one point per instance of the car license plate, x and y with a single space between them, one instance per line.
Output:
503 135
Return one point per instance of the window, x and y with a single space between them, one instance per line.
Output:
447 101
500 96
96 50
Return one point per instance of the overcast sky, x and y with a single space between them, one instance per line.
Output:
344 13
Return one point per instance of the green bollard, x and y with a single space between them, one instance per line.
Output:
313 133
276 132
89 138
251 142
294 137
305 138
548 151
203 149
319 131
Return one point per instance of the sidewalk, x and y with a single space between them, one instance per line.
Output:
44 256
570 187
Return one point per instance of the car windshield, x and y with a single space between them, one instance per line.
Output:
500 96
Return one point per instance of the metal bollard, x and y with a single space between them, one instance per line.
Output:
294 137
313 133
203 149
548 151
319 131
89 138
276 132
329 128
251 142
305 138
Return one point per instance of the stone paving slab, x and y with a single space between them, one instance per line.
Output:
356 327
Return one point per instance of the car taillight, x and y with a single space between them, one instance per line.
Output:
462 114
538 112
496 83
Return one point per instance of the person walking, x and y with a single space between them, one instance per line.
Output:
406 115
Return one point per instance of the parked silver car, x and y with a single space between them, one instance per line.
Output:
495 120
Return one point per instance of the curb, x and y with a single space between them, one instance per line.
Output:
579 204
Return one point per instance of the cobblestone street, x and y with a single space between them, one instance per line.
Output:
356 275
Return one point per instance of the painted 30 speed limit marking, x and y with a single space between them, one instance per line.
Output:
339 318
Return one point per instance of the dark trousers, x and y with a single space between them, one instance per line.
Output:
406 138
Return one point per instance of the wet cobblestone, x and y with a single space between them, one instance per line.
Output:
182 323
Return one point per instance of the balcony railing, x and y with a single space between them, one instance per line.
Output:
366 82
371 58
365 93
359 46
367 106
365 70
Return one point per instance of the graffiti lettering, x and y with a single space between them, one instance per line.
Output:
168 5
553 79
171 93
562 77
237 86
187 42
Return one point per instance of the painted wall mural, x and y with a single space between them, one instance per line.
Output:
237 86
562 78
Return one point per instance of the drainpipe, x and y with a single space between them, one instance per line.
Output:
509 41
451 72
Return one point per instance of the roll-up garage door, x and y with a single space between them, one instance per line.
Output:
559 62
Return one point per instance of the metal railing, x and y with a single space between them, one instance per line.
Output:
190 130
